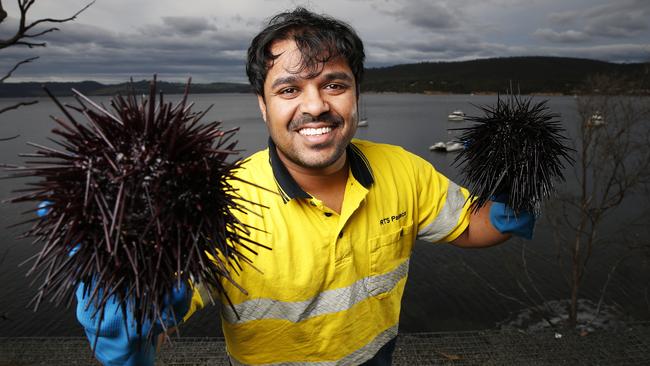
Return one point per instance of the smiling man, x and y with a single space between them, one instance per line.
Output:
341 214
343 227
311 116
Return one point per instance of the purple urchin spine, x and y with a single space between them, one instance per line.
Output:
516 149
141 195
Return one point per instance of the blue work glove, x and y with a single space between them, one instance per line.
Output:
117 341
503 219
43 208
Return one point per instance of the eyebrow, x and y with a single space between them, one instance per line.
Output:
284 80
337 75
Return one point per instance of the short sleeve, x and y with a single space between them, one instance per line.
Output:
444 206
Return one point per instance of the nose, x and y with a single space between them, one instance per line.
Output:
313 102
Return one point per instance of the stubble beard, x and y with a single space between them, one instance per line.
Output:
299 158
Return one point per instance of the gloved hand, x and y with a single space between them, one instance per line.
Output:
117 341
503 219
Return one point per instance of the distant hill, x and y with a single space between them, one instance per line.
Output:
556 75
532 74
34 89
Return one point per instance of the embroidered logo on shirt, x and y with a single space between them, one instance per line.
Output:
387 220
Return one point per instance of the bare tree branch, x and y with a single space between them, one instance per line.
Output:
16 66
17 105
23 28
41 33
52 20
22 37
610 275
7 139
606 178
3 13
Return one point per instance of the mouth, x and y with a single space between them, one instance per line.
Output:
314 131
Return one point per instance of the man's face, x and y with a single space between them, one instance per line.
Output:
311 120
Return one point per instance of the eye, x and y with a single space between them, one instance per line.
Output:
288 92
336 88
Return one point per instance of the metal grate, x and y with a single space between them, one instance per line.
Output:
629 346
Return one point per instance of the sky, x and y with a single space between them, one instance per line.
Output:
115 40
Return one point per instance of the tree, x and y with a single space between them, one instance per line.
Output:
26 35
612 165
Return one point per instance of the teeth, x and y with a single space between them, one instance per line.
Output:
315 131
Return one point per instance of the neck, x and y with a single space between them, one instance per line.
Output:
327 184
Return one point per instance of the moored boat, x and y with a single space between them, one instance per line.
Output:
457 115
449 146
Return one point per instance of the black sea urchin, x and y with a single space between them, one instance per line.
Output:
142 197
516 149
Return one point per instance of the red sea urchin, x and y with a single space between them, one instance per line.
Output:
514 150
138 200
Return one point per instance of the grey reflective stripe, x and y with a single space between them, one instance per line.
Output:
369 350
355 358
447 218
385 282
326 302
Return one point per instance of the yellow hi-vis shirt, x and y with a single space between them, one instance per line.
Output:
329 291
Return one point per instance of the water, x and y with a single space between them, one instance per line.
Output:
448 289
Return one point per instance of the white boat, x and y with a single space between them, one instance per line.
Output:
454 146
449 146
456 116
596 120
362 123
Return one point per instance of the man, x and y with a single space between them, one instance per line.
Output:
342 215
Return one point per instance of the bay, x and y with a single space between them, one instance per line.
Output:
448 288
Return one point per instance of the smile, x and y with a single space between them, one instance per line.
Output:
314 131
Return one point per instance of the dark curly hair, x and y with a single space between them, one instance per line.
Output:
319 38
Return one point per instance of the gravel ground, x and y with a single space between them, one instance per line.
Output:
629 345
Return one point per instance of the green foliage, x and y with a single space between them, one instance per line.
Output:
533 74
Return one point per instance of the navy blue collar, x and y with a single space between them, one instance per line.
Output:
289 189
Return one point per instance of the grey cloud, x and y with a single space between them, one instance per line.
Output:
429 45
619 24
620 19
190 25
563 18
213 48
382 53
84 35
120 65
94 38
424 14
568 36
430 16
620 6
197 49
180 26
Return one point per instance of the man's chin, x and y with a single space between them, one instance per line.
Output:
317 159
316 163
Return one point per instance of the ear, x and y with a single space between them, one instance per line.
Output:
262 104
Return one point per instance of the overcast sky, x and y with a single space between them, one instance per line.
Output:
117 39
